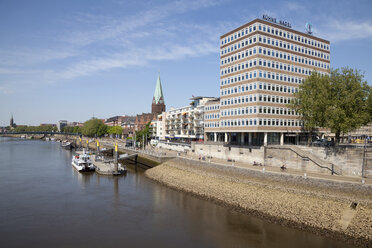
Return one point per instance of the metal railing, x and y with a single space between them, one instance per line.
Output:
304 156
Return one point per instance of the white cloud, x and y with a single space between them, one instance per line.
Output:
136 57
121 43
111 28
337 30
294 6
138 43
6 90
28 56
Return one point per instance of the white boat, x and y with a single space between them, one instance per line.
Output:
82 162
66 145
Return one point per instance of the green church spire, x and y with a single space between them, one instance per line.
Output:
158 95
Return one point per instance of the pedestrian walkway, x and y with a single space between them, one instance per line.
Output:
278 170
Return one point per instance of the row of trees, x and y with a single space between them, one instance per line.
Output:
43 128
95 127
341 102
70 129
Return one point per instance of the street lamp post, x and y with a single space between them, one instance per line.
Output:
364 156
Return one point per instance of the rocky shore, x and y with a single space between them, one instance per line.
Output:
338 210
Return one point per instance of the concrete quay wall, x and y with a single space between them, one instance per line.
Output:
174 147
319 207
277 157
346 161
241 154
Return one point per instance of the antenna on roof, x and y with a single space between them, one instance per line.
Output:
309 28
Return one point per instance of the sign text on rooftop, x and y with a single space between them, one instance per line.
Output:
273 20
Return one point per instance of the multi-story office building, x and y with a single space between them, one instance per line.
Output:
262 64
61 124
184 124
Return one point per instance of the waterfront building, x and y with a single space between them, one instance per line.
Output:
75 124
48 124
142 120
112 121
127 123
158 127
183 124
119 120
262 64
61 124
360 135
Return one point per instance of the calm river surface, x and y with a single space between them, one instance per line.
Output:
44 202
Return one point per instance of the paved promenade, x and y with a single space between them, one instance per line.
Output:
346 179
160 152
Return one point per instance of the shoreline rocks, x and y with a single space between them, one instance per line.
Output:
286 201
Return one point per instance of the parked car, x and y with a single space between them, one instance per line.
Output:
129 143
323 142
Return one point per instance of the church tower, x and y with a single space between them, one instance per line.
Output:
158 105
11 122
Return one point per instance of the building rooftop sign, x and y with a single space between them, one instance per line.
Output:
274 20
309 28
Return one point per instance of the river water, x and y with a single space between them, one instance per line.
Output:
44 202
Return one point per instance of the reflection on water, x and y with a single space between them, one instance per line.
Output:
83 178
45 202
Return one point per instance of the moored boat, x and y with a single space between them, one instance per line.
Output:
66 144
82 162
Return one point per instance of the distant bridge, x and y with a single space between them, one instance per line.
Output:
42 132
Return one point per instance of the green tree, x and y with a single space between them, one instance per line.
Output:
115 130
67 129
21 128
338 102
145 133
76 129
71 129
369 104
348 108
46 128
94 127
311 102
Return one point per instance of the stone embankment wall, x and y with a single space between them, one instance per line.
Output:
277 157
322 207
346 161
242 154
174 147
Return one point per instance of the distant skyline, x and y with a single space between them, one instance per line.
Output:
70 60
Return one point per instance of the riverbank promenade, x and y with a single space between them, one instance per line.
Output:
166 153
264 169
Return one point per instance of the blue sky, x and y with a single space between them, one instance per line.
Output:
75 59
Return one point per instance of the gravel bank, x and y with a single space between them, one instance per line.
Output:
321 207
